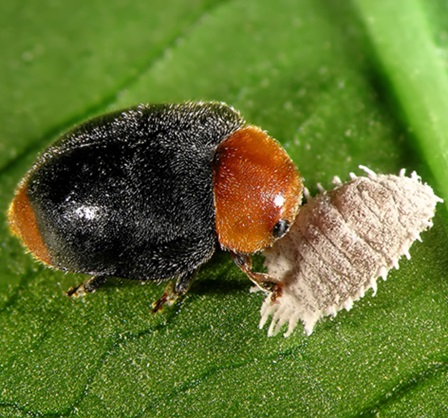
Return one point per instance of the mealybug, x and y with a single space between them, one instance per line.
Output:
341 242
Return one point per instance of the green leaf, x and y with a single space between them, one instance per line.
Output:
339 84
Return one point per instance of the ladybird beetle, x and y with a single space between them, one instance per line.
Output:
149 192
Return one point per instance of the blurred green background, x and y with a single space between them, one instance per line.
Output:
339 83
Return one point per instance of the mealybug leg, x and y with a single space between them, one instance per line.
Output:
89 286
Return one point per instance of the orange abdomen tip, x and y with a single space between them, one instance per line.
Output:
23 223
257 188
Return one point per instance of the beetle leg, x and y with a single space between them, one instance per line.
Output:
265 282
173 291
89 286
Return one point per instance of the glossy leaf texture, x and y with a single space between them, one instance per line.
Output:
339 84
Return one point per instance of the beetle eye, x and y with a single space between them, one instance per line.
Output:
280 228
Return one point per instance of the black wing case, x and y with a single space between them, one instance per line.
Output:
130 194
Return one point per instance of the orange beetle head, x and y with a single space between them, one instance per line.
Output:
257 191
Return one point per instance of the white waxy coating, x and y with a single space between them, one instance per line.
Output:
341 242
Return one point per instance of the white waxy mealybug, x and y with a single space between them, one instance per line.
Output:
341 242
